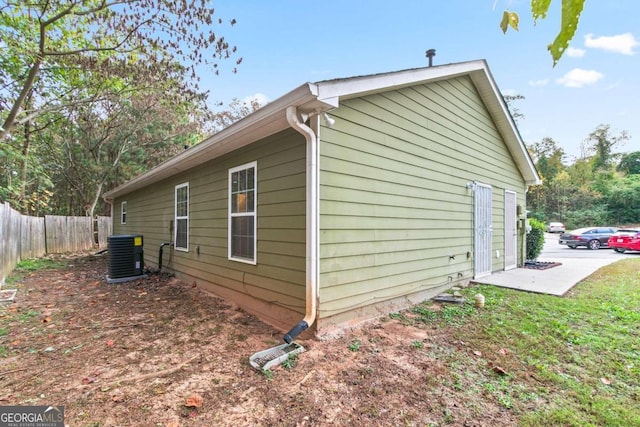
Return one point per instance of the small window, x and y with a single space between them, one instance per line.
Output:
181 229
242 213
123 213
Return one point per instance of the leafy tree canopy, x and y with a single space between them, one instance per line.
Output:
630 163
44 42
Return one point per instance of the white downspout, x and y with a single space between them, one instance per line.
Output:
312 245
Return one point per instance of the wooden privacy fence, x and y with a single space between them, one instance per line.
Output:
25 237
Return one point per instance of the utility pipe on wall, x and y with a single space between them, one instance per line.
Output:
312 244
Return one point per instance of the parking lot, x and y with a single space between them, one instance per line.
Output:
553 251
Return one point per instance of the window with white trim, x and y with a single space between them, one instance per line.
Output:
123 213
181 223
242 213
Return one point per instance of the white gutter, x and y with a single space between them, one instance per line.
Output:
312 224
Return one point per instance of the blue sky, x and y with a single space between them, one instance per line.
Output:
287 43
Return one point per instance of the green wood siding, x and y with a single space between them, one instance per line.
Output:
396 216
279 276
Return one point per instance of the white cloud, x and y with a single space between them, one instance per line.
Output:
579 78
260 97
575 52
622 43
538 83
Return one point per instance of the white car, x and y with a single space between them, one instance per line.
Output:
555 227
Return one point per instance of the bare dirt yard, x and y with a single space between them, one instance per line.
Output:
161 352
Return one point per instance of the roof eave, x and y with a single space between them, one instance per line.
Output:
321 96
497 107
266 121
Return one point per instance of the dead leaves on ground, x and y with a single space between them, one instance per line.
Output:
194 401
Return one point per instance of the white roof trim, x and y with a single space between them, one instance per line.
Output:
325 95
266 121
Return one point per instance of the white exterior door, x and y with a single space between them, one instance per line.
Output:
510 230
483 230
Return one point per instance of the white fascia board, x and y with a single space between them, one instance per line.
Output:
489 92
363 85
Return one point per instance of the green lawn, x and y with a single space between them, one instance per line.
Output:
572 361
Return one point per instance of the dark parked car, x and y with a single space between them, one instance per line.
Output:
625 239
591 237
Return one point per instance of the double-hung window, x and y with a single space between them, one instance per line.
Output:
181 228
123 213
242 213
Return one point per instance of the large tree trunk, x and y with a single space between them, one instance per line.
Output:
96 197
10 121
24 168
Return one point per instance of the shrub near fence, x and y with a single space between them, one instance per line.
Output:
25 237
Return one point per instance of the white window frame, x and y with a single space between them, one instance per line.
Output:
183 217
253 214
123 212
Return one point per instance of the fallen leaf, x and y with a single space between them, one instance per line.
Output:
110 343
194 401
605 381
499 370
46 320
503 351
477 353
89 380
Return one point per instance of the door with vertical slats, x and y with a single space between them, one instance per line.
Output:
510 230
483 230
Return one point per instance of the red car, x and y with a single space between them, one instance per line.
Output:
625 239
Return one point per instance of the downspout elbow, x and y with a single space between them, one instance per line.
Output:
312 224
162 245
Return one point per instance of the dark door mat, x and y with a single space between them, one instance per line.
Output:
539 265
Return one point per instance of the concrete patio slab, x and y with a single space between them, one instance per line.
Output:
554 281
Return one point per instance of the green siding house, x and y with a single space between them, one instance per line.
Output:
343 199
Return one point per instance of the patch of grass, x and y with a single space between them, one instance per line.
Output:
583 349
25 316
290 362
27 266
39 264
401 317
425 315
456 313
355 345
417 344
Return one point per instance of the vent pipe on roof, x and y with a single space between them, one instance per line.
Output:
430 54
